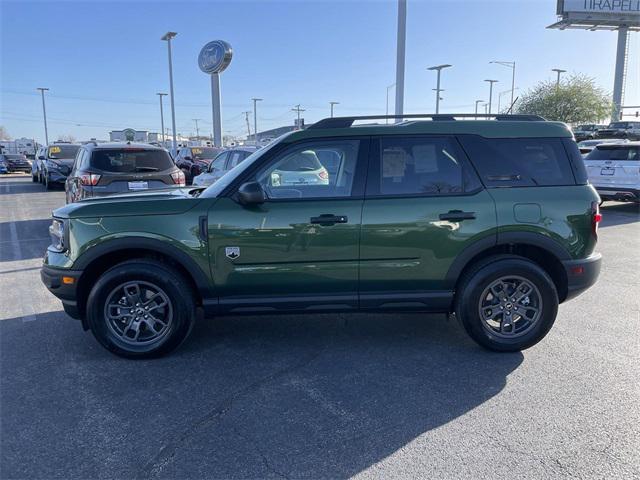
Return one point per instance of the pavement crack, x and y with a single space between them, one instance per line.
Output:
265 459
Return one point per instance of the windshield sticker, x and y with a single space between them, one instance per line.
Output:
196 151
54 150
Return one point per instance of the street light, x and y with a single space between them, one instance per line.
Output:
559 71
491 82
331 104
388 88
162 117
477 103
512 66
438 68
167 37
44 113
255 119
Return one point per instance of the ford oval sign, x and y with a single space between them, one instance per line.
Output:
215 56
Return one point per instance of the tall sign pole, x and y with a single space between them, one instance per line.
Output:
214 58
400 56
167 38
618 81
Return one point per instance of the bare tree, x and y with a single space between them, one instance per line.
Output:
67 138
3 133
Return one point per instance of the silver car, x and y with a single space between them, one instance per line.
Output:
224 162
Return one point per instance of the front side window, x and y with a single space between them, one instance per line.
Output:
420 166
219 163
519 162
321 169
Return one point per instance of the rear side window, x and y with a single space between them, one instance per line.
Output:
614 153
519 162
131 160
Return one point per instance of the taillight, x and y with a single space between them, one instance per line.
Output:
179 178
596 217
324 175
90 179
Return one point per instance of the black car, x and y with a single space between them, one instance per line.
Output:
56 161
587 131
195 160
629 130
16 162
107 168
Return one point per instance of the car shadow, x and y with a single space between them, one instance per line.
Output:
619 214
314 396
24 239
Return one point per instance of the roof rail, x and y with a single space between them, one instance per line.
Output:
345 122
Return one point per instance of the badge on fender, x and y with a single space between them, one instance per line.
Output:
232 252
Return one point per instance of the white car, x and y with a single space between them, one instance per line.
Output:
224 162
614 169
587 146
302 168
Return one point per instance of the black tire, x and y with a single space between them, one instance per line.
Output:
474 284
187 176
34 179
47 183
149 272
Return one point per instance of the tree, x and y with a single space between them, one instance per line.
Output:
576 100
67 138
3 133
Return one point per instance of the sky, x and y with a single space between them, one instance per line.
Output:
104 61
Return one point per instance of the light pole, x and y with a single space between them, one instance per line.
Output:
44 113
512 66
438 69
197 129
167 37
491 82
331 104
559 71
298 110
255 119
388 88
400 56
477 103
160 95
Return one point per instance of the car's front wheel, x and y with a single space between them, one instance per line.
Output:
506 303
140 309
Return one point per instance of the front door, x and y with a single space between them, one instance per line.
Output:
424 205
298 250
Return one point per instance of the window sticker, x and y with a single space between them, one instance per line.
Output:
54 150
394 162
196 151
426 158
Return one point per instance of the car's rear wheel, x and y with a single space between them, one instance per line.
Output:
34 178
506 303
140 309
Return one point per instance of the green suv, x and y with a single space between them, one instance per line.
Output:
493 220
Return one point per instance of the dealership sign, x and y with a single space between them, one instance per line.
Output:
624 7
215 57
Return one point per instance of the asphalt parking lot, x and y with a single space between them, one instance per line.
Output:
317 396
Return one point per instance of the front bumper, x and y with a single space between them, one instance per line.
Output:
66 292
56 177
582 274
622 194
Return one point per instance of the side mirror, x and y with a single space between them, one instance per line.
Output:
251 193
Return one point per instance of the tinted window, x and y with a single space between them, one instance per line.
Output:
236 158
519 162
203 153
298 172
419 165
63 151
131 160
614 153
219 163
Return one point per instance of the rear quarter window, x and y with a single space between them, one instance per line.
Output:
520 162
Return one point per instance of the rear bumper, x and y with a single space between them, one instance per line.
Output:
615 193
582 274
67 293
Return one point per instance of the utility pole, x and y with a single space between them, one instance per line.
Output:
298 110
559 71
255 119
246 118
44 113
332 104
491 82
162 117
438 69
400 56
477 103
167 37
197 130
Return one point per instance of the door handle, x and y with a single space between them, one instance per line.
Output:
329 219
457 215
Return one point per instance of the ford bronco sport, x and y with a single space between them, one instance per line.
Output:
493 220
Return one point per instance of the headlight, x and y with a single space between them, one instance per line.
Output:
53 165
58 233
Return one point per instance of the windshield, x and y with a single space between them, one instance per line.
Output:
618 125
611 152
586 128
131 160
215 189
15 157
63 151
205 153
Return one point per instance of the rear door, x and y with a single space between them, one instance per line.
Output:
614 166
299 250
424 205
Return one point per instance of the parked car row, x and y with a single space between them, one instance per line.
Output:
622 129
12 162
